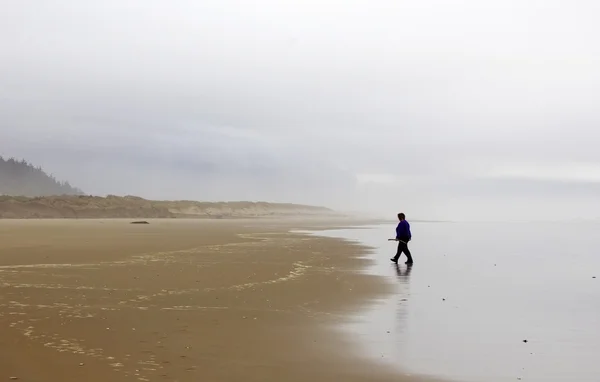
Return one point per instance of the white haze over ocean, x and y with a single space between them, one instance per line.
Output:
473 109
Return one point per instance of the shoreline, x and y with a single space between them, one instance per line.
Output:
181 300
357 323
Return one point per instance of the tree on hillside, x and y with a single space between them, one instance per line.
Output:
18 177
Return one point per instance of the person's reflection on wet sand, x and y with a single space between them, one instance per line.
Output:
403 275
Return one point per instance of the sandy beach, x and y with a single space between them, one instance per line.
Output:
179 300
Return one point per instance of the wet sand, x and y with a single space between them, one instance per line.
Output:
177 300
465 308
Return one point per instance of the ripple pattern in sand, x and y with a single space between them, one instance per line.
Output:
65 306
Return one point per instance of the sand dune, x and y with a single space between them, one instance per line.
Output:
135 207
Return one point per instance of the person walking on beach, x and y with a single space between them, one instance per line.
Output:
403 236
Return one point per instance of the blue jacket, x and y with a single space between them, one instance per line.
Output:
403 231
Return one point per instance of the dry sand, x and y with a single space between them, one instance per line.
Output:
178 300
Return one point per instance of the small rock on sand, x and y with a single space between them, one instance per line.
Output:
140 222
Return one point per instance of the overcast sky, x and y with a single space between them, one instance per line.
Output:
473 109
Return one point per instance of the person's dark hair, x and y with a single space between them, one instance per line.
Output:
401 216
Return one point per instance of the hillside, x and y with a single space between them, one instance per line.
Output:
28 192
79 206
22 178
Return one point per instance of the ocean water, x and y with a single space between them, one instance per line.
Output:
477 292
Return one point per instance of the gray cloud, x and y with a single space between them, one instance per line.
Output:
454 108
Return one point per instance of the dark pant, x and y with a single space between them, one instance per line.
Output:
403 247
